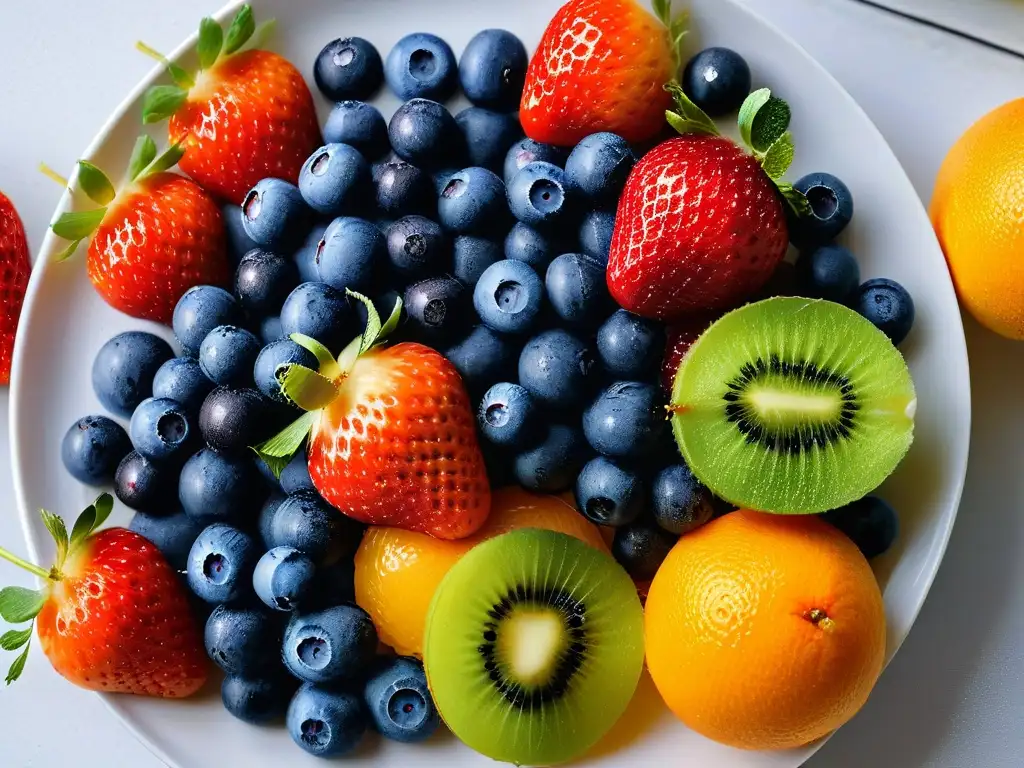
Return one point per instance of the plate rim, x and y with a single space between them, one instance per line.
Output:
48 248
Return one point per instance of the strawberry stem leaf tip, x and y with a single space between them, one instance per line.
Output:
314 390
21 604
678 25
764 128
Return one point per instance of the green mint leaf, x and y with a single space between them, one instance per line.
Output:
795 199
770 122
211 40
78 225
20 604
95 183
143 154
15 638
68 252
663 10
162 101
165 161
308 389
373 326
55 525
695 118
17 667
751 105
779 157
278 450
260 37
84 525
393 319
104 505
320 352
241 29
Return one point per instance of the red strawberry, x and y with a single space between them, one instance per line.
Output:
678 340
112 616
601 66
393 438
15 266
701 224
152 242
247 115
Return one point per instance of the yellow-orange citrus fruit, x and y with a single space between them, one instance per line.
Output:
765 631
397 571
978 213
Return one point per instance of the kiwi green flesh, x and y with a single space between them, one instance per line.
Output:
793 406
533 647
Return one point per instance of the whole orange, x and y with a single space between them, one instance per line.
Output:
978 213
765 631
397 571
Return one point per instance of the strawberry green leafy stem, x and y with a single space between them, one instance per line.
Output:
678 25
315 390
764 128
21 604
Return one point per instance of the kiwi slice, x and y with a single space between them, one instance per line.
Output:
793 406
534 646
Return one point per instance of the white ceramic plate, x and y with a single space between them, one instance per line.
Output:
65 322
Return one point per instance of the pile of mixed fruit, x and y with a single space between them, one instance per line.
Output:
406 348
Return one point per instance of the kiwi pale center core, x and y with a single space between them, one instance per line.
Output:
530 643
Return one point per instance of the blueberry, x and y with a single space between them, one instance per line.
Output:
92 448
493 70
526 151
508 416
326 723
220 566
598 167
399 701
270 329
424 133
488 136
239 242
329 645
265 519
641 548
359 125
295 475
259 700
577 289
422 65
348 68
403 188
509 297
609 494
335 180
625 421
199 311
717 80
263 280
305 255
161 430
595 234
437 307
630 347
553 464
233 419
870 522
172 534
124 368
533 246
472 255
146 485
227 355
888 305
679 502
182 380
271 358
319 311
831 210
350 254
242 640
219 486
538 194
306 522
283 577
274 215
473 202
557 368
441 178
483 358
829 272
417 247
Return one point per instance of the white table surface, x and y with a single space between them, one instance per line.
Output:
954 696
